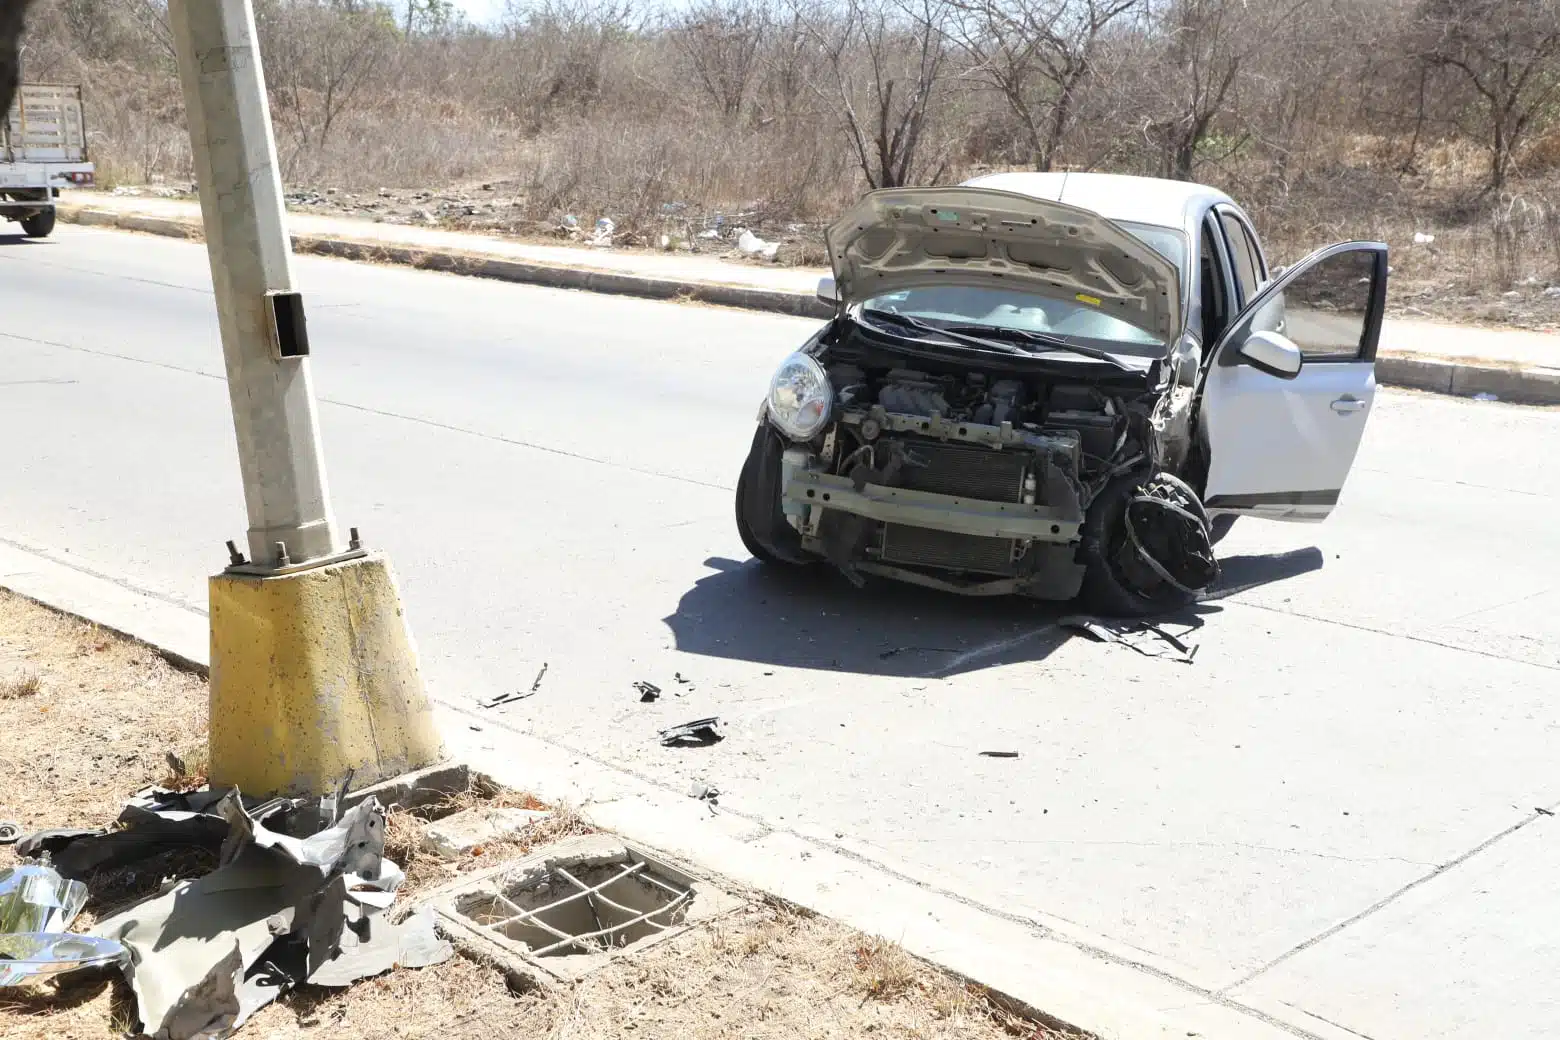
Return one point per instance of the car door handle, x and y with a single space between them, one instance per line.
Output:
1346 405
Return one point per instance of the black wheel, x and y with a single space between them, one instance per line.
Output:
761 522
1220 526
1118 583
39 225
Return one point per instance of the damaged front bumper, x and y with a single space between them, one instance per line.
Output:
922 509
963 507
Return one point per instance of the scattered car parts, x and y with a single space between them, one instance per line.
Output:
1145 637
698 733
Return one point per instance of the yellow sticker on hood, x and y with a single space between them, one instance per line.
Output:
1092 301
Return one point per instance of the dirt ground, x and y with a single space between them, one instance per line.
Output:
85 721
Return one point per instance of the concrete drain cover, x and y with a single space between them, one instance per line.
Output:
568 908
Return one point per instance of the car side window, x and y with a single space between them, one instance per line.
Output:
1324 310
1243 253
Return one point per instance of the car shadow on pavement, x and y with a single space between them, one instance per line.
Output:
1239 574
813 618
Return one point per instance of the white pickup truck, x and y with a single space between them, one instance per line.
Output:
43 148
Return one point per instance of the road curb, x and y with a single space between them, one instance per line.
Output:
477 265
1037 964
1525 385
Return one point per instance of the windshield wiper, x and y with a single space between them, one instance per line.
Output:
957 337
963 334
1041 339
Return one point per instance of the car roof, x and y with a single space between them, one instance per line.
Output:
1140 200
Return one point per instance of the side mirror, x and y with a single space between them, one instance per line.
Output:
1272 353
828 292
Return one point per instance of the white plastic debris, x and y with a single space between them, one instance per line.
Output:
1552 291
602 235
1485 396
751 245
1422 239
710 233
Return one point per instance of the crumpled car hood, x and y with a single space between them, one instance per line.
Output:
905 238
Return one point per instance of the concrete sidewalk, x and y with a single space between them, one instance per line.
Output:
1512 364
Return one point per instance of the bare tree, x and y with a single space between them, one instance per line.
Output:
562 50
319 55
1202 60
428 17
1508 52
720 40
887 66
789 63
1037 54
152 17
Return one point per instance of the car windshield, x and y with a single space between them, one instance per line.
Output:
1004 308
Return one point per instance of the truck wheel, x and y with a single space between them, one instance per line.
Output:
39 225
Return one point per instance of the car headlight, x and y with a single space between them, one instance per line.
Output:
800 397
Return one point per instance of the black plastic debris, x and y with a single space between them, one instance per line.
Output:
648 691
517 695
999 754
704 792
154 821
1145 637
698 733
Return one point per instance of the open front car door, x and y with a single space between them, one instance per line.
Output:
1285 399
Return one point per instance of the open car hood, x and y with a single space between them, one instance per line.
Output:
907 238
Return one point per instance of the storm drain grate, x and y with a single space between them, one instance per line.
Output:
566 909
568 914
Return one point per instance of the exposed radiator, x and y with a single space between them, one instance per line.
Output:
966 471
924 547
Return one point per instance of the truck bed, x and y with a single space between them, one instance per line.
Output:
45 125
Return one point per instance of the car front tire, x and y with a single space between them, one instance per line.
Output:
761 522
1105 591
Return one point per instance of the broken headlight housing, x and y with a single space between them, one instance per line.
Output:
800 397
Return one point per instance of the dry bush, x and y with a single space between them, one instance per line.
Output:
1326 118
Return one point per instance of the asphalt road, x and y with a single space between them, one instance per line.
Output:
1333 810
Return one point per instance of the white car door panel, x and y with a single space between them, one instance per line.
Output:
1281 442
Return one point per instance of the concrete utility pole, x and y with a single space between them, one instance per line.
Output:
313 672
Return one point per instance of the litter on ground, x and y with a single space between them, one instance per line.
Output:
1145 637
300 894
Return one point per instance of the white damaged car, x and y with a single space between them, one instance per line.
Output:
1060 384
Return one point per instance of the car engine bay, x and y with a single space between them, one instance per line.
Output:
983 480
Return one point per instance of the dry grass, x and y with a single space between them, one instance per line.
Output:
28 684
100 716
95 730
765 973
424 870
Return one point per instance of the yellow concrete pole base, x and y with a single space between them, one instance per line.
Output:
314 675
